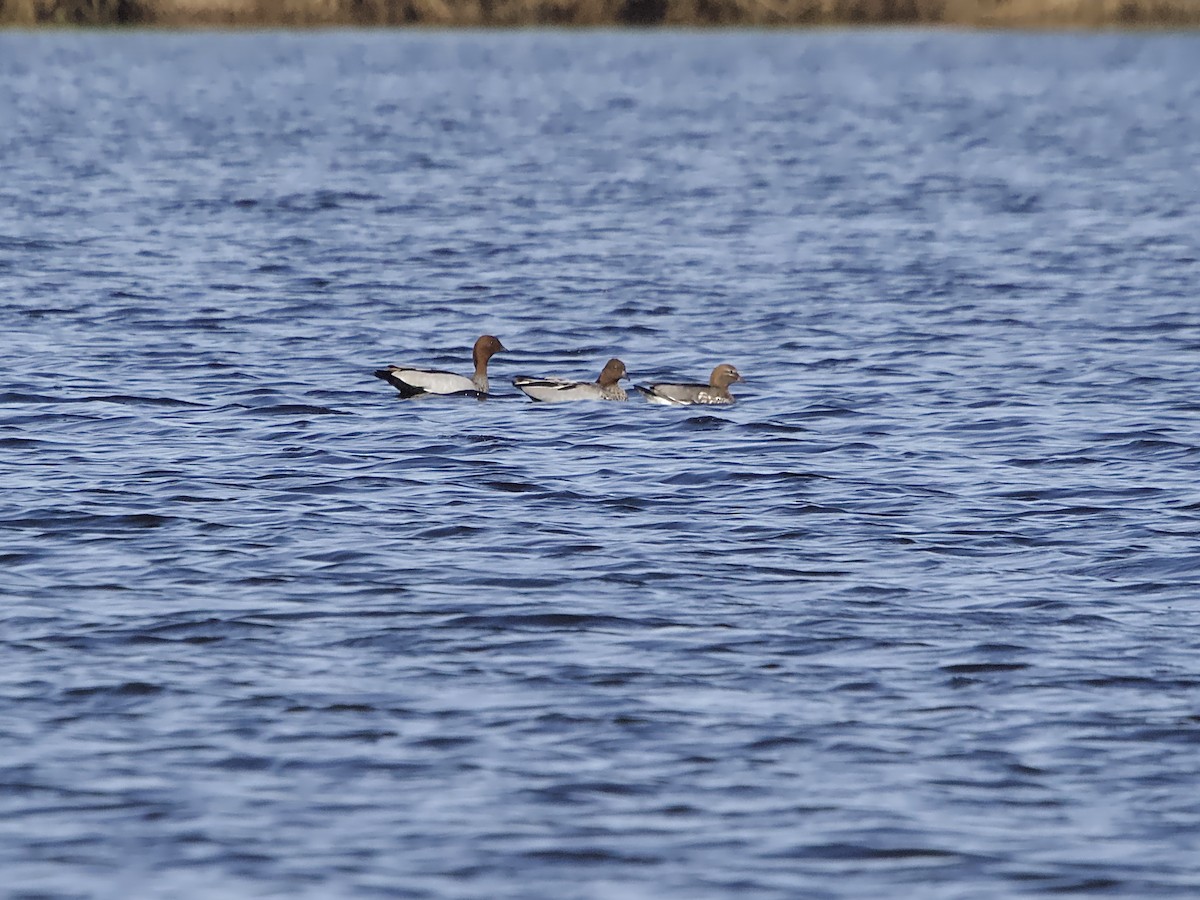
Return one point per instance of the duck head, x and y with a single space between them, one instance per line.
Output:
614 371
724 375
485 348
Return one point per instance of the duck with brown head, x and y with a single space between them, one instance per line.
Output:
556 390
414 382
716 392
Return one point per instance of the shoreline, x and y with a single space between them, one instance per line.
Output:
1032 15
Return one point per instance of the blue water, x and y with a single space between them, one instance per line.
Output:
918 617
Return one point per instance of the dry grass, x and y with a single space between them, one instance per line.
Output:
510 13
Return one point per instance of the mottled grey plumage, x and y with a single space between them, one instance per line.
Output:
555 390
716 392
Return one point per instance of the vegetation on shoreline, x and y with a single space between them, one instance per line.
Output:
510 13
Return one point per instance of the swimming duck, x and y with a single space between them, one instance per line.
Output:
553 390
715 392
412 382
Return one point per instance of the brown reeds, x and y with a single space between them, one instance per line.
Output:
516 13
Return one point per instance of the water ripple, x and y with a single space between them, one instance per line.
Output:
916 616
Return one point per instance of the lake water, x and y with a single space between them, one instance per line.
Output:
918 617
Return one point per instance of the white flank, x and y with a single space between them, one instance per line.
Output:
557 390
433 381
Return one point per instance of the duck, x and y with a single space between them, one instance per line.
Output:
554 390
716 392
412 382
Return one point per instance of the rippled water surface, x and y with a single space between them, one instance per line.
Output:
918 617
